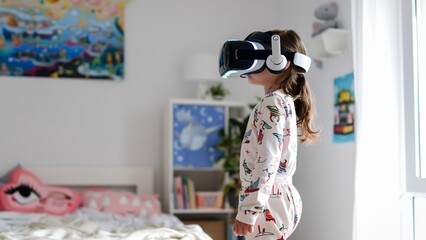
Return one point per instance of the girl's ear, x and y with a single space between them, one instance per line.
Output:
287 65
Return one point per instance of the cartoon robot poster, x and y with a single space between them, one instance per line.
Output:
195 134
344 109
62 38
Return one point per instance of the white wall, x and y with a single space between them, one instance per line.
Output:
104 123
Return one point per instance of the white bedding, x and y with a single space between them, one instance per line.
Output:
90 224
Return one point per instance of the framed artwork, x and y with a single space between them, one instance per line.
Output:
195 134
62 38
344 109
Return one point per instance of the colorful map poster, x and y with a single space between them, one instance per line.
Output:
62 38
344 109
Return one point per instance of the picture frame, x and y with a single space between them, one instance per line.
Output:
344 109
75 39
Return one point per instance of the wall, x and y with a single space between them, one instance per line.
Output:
107 123
95 122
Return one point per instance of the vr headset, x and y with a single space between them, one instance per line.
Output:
258 51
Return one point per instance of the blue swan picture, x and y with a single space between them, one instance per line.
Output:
195 133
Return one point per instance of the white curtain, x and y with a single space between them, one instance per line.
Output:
379 118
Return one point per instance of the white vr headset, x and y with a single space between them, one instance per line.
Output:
258 51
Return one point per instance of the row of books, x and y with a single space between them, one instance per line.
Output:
184 197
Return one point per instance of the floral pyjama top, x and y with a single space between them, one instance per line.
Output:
268 200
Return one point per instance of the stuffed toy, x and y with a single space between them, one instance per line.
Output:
327 13
24 192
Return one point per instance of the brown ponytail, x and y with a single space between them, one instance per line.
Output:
297 86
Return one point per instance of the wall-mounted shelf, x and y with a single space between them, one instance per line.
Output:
331 42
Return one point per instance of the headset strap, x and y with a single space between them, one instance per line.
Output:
298 59
244 54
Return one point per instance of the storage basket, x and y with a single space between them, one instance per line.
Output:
212 200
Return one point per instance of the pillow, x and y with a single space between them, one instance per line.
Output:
121 202
24 192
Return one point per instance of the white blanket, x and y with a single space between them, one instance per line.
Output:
89 224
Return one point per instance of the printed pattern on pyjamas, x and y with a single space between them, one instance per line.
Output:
268 200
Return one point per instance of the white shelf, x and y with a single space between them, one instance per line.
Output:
331 42
225 103
184 169
205 179
203 211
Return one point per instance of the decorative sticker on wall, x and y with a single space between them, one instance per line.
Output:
195 134
344 109
62 38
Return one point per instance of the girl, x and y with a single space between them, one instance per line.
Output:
270 206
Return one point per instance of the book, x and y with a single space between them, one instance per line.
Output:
179 192
191 193
185 193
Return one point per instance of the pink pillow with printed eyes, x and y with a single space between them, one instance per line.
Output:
121 202
26 193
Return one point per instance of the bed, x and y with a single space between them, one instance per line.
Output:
87 222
